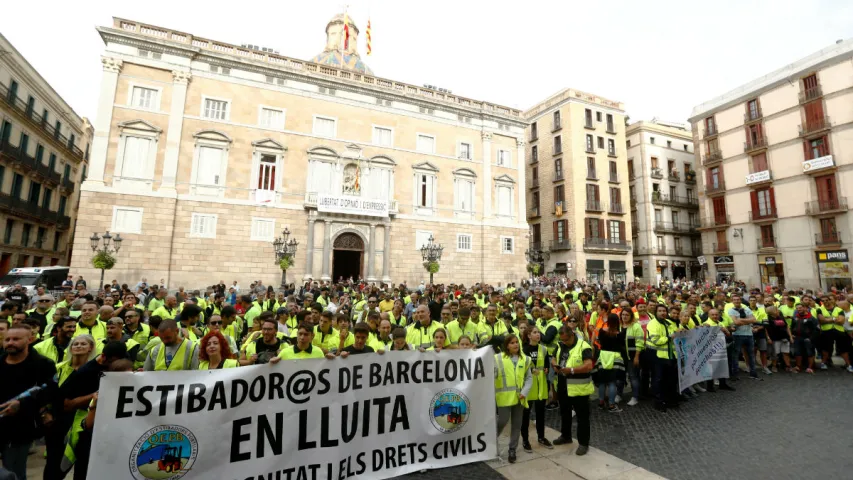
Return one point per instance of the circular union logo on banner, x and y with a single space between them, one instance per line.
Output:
448 411
166 452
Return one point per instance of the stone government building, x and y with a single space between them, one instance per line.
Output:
203 152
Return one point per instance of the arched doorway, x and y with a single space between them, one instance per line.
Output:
347 256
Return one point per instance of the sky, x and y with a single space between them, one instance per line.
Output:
660 58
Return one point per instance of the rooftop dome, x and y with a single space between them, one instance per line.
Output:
334 55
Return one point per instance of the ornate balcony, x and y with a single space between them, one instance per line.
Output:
766 244
533 212
755 145
826 207
810 94
33 212
595 244
769 214
657 173
712 157
669 227
66 186
721 247
564 244
30 165
815 127
714 222
659 198
715 188
751 116
594 206
616 209
827 239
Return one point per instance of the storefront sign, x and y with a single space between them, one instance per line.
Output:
636 263
723 260
677 263
727 268
662 263
818 163
832 256
758 177
373 207
701 259
770 260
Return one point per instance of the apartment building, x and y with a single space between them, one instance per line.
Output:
777 172
664 201
205 151
578 186
44 150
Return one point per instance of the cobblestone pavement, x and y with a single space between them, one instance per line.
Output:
784 427
471 471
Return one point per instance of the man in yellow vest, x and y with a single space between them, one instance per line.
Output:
168 310
172 353
115 326
54 347
419 334
665 377
89 322
572 361
303 348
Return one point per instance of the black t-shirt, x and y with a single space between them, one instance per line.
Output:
353 351
15 379
20 297
260 346
777 329
85 381
41 317
533 353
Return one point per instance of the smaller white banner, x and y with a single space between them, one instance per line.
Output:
818 163
701 355
373 207
756 177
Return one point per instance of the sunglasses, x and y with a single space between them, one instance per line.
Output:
216 323
43 301
571 321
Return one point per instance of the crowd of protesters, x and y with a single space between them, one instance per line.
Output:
558 344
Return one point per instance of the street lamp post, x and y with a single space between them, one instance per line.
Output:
431 253
109 246
285 250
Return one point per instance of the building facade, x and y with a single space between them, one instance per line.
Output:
777 171
578 186
44 150
664 202
205 151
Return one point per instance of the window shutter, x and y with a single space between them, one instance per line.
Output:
753 198
556 238
807 152
622 231
601 232
597 198
430 181
772 199
588 226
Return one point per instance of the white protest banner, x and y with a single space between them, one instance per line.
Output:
352 205
701 355
367 416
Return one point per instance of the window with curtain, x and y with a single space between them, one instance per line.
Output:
465 195
135 163
266 173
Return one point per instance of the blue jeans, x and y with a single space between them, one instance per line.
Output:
744 341
15 459
633 374
610 389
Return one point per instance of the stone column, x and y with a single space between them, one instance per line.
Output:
487 174
180 80
309 251
371 254
521 217
103 119
386 254
327 250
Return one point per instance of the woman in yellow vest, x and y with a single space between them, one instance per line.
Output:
439 341
539 363
215 353
513 381
634 342
610 368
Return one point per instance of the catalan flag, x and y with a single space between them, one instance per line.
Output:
346 31
369 43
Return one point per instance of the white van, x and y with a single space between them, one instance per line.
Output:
50 278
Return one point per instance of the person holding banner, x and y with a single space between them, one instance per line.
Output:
215 352
573 364
419 334
304 347
714 320
610 366
513 382
172 353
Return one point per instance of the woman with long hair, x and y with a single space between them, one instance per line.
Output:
610 367
215 352
539 362
513 381
634 343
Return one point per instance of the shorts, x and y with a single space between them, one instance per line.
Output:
840 340
761 343
803 347
780 346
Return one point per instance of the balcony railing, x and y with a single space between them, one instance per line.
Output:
712 188
815 125
595 243
558 148
674 176
37 121
712 157
659 198
563 244
32 211
657 173
67 185
590 149
558 175
690 177
670 227
611 153
766 243
818 207
714 221
590 174
679 250
610 128
710 131
810 94
533 212
594 206
588 123
30 164
534 135
767 214
534 182
616 208
614 177
755 144
536 246
660 251
752 115
827 238
721 247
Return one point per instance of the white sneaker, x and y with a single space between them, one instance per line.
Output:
699 388
850 368
767 371
618 399
823 366
633 401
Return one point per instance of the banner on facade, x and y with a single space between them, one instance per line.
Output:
701 355
366 416
373 207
